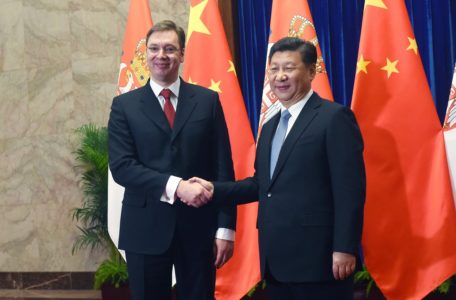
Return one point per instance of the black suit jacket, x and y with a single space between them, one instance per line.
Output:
313 205
144 152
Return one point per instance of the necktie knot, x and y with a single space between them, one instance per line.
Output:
285 115
166 93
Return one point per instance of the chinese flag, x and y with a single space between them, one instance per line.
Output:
409 238
449 128
208 63
133 73
292 18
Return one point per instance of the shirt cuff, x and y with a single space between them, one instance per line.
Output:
225 234
169 195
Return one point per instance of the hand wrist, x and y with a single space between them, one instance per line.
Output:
180 188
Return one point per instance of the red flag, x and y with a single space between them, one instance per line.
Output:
293 18
409 239
208 63
133 73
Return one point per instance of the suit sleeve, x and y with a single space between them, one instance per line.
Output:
239 192
348 180
125 166
223 163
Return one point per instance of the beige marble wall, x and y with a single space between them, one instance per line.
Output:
59 61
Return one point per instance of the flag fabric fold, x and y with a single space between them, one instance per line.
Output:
409 239
449 128
292 18
208 63
133 73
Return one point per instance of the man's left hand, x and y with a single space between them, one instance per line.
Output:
223 251
343 265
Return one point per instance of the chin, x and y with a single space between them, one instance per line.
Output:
284 100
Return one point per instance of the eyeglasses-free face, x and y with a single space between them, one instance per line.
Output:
289 78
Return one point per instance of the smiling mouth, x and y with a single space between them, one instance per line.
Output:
162 66
282 88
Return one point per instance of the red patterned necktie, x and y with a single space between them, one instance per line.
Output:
168 107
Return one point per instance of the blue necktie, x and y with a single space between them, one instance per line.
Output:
278 139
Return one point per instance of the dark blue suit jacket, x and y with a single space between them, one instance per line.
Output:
313 205
144 152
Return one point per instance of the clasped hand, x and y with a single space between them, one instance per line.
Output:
195 192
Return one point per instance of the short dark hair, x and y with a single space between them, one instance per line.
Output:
168 25
307 50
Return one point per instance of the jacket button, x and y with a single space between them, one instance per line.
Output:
269 195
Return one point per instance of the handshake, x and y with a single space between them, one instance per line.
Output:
195 192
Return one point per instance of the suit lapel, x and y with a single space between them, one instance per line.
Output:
185 106
307 114
152 109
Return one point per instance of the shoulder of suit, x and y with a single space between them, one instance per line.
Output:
134 95
331 105
334 112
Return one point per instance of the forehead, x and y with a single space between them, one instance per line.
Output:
286 57
168 37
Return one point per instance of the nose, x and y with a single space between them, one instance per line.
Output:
281 75
161 52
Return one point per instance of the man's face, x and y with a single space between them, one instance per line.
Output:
164 57
289 77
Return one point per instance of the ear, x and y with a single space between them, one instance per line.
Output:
312 71
268 73
182 55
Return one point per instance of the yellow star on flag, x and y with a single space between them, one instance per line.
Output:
191 81
195 24
390 67
232 68
215 86
412 46
376 3
361 65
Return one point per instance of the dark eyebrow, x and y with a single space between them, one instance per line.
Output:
166 45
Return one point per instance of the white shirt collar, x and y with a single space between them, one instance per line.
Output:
296 108
174 87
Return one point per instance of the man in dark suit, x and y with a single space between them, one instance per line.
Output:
159 135
310 182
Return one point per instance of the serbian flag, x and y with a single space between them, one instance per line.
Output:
133 74
449 132
292 18
208 63
409 239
